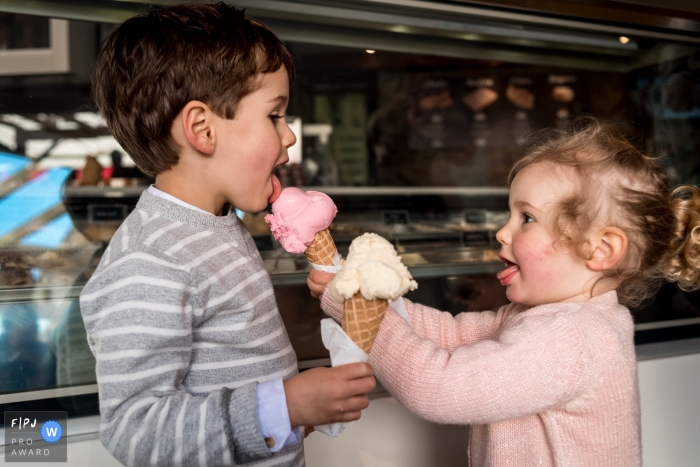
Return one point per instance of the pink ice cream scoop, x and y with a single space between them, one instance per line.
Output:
297 215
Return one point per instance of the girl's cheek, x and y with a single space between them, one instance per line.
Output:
525 249
532 254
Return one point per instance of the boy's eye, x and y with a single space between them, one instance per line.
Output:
276 117
528 218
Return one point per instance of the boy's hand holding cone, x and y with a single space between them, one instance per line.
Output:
372 276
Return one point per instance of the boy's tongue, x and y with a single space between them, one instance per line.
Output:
507 272
276 189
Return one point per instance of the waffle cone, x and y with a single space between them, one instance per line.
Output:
361 319
322 250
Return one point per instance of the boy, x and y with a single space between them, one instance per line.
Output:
194 365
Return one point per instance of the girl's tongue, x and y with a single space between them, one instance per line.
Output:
506 274
276 189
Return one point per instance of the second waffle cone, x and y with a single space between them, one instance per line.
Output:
322 250
361 319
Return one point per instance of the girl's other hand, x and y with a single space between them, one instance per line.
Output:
317 282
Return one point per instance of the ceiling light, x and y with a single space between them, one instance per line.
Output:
624 40
369 51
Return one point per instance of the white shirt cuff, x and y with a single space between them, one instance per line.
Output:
274 416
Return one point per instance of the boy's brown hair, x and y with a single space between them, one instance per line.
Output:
618 185
153 64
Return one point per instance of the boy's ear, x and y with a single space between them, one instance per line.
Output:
608 247
198 126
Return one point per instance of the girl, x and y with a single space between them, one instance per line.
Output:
551 379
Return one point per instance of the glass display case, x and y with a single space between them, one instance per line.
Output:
408 114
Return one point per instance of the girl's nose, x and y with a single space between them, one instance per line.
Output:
503 236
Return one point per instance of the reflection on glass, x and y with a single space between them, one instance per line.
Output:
35 198
51 234
10 164
43 345
26 360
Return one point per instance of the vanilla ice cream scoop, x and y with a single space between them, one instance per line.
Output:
374 269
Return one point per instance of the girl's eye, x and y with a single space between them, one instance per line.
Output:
528 218
274 118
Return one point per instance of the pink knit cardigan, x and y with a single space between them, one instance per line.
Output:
552 385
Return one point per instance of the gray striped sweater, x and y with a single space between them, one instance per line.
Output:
182 319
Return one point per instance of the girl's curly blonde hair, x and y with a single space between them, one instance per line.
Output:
617 185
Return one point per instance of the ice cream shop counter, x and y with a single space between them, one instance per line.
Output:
445 236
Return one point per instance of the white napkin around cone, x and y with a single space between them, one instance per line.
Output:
343 350
337 265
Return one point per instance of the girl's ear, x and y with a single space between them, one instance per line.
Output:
608 247
198 126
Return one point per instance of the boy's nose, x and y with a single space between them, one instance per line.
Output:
289 139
